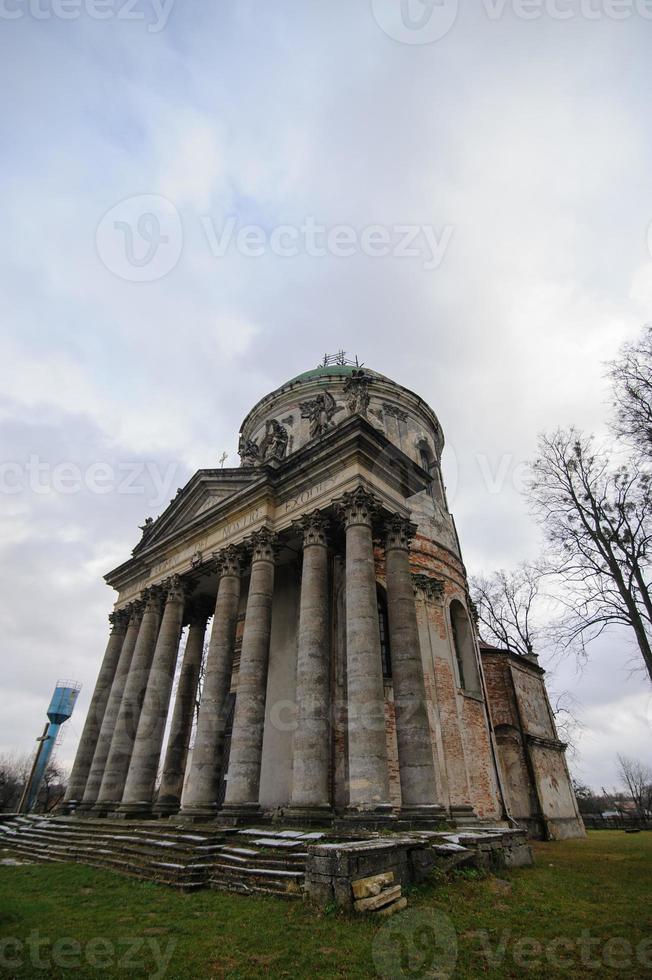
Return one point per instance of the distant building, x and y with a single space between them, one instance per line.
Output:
343 678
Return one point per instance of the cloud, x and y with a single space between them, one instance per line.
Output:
524 136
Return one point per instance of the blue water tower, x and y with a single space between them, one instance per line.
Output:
61 708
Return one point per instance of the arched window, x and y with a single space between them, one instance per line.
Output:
383 626
467 665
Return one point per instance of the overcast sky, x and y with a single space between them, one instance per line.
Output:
510 158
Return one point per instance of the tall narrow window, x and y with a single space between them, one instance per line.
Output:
383 626
467 665
427 461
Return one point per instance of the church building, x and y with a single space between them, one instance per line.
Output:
321 585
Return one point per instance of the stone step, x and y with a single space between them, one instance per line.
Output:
126 842
49 836
260 872
229 885
256 885
262 860
266 862
191 873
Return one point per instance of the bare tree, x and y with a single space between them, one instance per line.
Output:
598 522
53 787
637 778
506 602
631 380
14 771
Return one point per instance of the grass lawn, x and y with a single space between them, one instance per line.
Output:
585 910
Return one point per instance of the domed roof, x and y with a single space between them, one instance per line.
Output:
330 370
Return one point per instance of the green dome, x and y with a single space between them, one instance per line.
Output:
341 370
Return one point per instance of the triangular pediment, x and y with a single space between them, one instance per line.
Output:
204 492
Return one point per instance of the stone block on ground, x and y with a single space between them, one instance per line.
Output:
397 906
368 887
376 902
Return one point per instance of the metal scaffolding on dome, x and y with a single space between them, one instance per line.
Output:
340 360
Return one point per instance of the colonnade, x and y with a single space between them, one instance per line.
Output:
120 751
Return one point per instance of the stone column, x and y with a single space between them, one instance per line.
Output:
415 752
126 726
176 756
200 797
98 765
368 769
311 749
243 778
96 710
143 770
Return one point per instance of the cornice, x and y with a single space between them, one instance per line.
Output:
354 440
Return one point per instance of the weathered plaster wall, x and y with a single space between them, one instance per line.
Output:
533 765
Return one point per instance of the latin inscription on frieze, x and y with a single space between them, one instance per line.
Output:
301 500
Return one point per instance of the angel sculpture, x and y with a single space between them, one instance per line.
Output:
356 390
319 411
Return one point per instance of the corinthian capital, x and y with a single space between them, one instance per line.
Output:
314 527
151 597
135 611
431 588
229 561
359 506
175 589
399 531
263 545
119 619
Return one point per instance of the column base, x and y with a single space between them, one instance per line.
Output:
238 814
102 809
381 815
67 808
311 816
426 816
462 812
199 813
133 811
81 809
164 809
